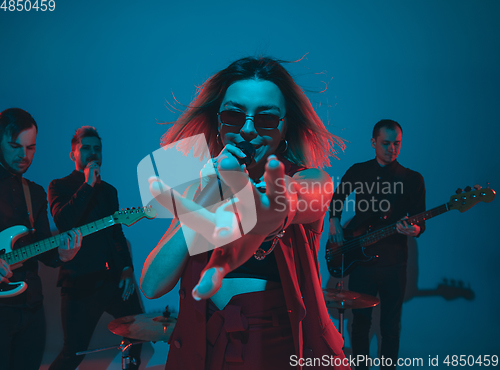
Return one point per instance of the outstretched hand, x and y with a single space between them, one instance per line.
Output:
220 226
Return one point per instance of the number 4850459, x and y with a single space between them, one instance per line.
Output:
28 5
471 360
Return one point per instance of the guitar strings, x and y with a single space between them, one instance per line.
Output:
358 242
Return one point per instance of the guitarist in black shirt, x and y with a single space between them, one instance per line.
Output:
385 193
24 203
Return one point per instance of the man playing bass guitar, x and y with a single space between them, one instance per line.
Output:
385 193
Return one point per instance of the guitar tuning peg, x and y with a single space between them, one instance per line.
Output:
458 191
468 188
477 187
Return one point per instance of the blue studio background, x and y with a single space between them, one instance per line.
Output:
430 65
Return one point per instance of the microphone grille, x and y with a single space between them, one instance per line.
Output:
248 149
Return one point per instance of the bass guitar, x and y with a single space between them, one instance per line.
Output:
341 260
16 257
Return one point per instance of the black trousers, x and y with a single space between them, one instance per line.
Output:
81 310
389 282
22 337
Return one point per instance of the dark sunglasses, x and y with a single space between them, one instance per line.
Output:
238 119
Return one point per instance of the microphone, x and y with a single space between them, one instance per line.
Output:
248 149
213 191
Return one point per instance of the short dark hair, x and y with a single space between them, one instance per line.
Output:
309 142
385 123
84 131
15 120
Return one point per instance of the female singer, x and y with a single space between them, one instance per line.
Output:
256 302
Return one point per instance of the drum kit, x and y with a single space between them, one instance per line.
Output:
154 327
149 327
345 299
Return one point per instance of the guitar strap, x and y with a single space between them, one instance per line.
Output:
27 196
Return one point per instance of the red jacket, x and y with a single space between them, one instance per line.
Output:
313 331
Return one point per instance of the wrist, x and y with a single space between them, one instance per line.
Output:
58 260
292 211
204 182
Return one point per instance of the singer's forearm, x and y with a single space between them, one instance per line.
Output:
314 189
165 263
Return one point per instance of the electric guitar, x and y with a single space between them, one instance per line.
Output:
341 260
449 289
16 257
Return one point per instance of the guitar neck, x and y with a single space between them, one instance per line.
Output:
387 231
22 254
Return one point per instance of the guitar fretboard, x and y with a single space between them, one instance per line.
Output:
22 254
387 231
375 236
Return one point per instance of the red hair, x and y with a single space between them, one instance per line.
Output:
310 144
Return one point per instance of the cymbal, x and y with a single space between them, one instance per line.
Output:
346 299
150 327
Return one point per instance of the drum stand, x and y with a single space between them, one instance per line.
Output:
144 327
344 300
124 347
340 286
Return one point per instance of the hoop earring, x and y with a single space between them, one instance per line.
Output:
286 146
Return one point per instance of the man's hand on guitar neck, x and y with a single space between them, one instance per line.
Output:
5 272
70 244
335 234
405 229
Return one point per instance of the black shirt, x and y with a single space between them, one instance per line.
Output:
14 211
74 203
384 195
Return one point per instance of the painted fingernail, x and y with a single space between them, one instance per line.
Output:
194 293
273 164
